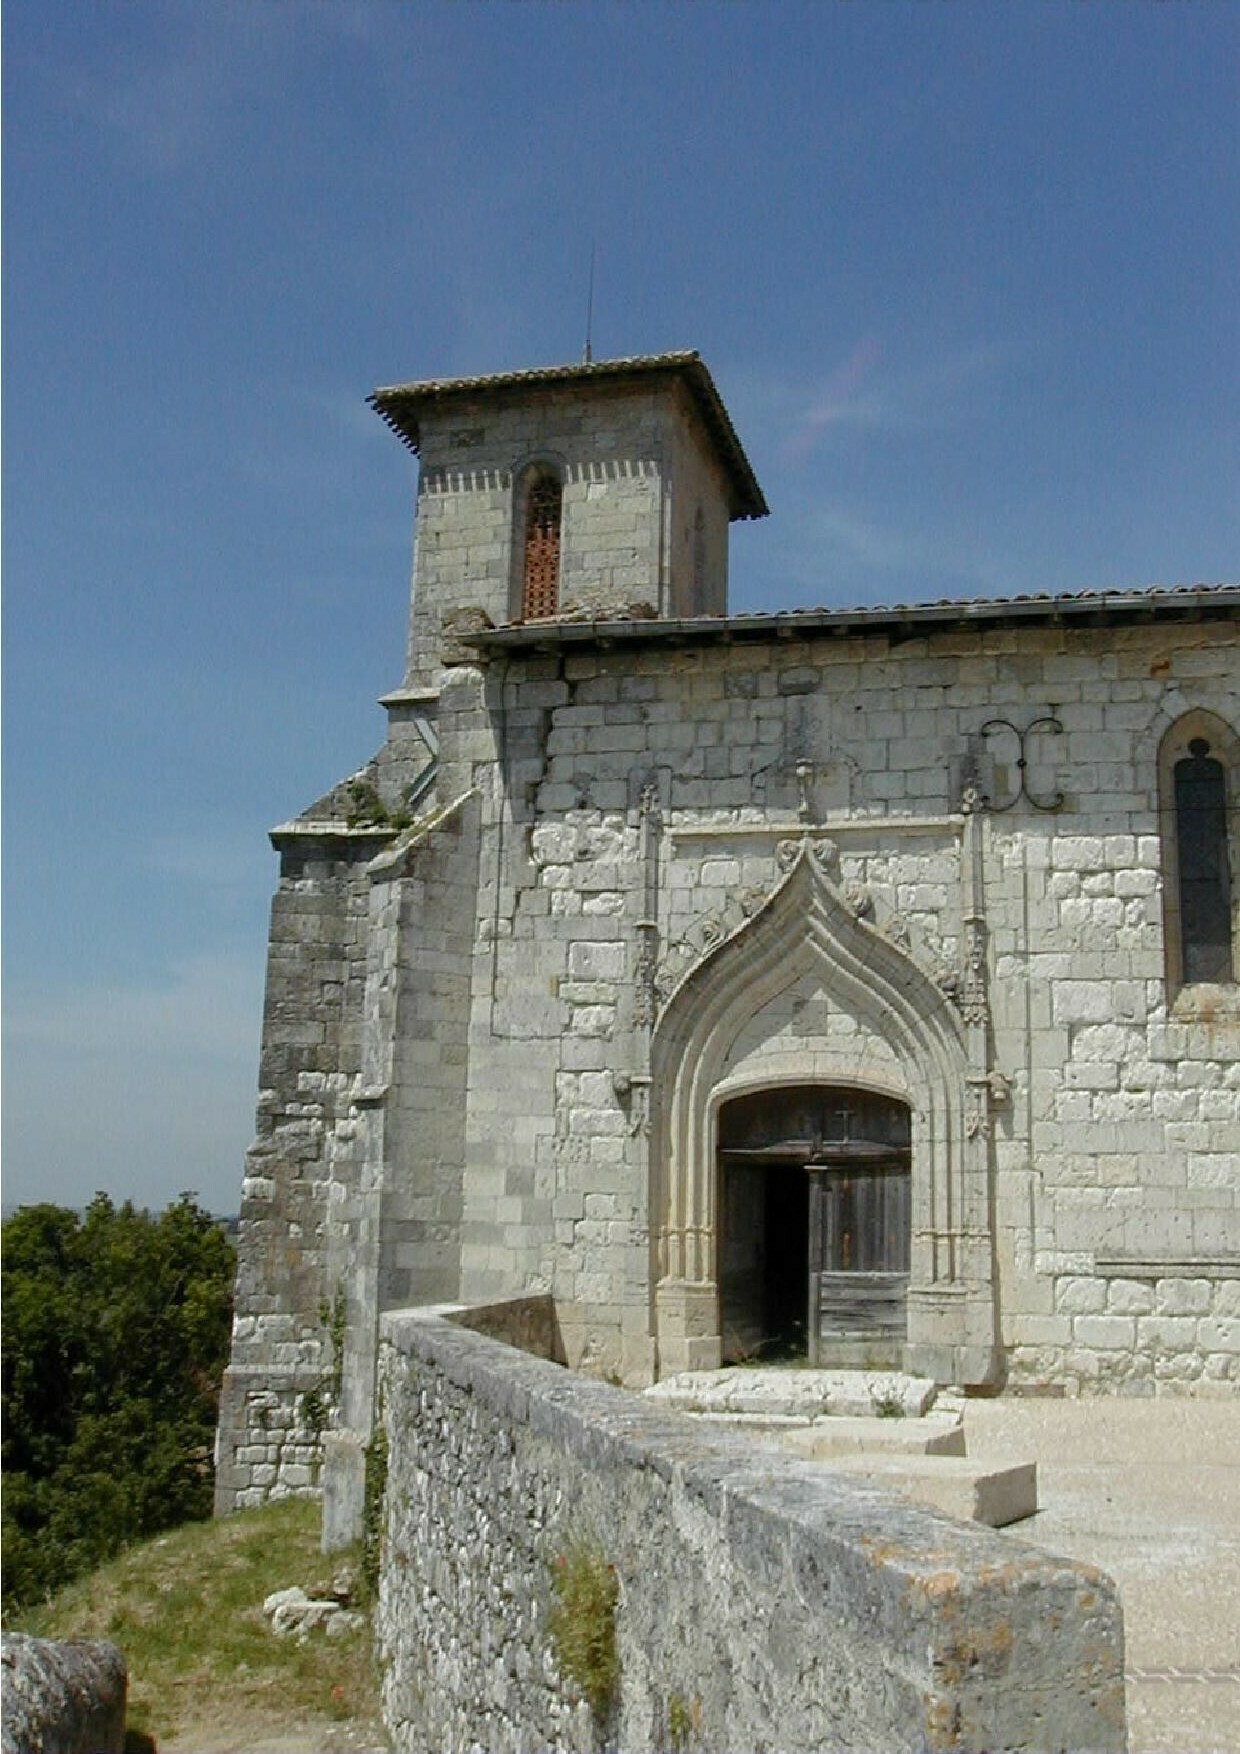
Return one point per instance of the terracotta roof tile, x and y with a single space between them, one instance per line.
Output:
1153 602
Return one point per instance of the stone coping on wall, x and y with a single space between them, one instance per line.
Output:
964 1640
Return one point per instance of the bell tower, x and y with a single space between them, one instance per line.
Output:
595 491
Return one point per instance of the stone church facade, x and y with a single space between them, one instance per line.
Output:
858 983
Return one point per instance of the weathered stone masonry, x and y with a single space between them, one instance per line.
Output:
616 868
763 1602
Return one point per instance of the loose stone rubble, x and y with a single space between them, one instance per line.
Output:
297 1613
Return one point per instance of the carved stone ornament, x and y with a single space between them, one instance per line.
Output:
670 970
827 854
859 900
972 794
644 975
805 779
820 848
639 1107
897 929
947 980
976 1124
974 1004
787 853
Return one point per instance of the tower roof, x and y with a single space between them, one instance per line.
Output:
403 406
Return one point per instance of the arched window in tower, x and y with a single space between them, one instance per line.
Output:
1197 773
540 570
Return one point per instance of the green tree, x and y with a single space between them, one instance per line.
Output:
115 1337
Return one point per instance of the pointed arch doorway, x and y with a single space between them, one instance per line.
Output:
722 1033
814 1225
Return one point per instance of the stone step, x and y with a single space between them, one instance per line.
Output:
972 1491
937 1434
766 1392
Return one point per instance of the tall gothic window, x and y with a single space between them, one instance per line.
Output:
1197 772
1205 880
540 563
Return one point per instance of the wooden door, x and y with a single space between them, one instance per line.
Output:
847 1151
860 1233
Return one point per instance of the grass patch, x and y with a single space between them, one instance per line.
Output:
582 1623
186 1610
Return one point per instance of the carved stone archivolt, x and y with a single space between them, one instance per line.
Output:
703 937
713 929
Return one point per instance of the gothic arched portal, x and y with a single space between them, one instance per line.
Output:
814 1225
883 1026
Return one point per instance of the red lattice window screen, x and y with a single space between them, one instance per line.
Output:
541 575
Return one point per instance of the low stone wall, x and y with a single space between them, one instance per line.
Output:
762 1602
62 1698
528 1323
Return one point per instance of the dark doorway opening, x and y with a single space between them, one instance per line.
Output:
814 1226
764 1234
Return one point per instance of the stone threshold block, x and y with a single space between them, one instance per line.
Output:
784 1395
973 1491
937 1434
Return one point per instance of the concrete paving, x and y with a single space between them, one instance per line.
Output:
1149 1491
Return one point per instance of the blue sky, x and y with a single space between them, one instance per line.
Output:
967 276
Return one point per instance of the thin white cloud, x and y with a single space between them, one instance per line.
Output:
835 532
140 1090
836 552
223 863
863 393
173 93
873 390
207 1008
